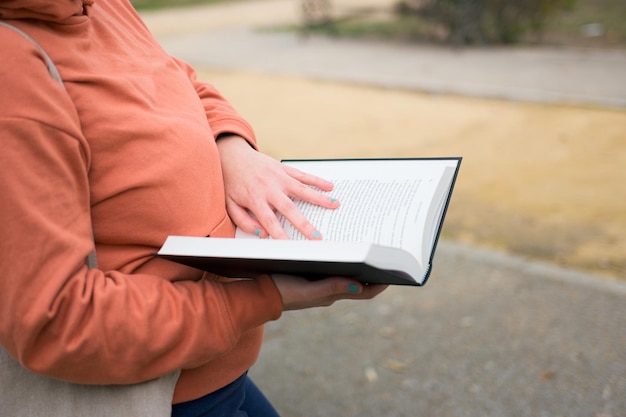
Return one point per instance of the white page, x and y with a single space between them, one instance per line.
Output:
383 202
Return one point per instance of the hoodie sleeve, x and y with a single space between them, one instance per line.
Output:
59 318
222 117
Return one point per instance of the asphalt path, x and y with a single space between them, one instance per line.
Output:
490 334
244 36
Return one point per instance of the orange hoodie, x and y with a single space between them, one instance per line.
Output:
129 151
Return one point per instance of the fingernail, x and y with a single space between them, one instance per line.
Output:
257 232
316 234
353 288
332 199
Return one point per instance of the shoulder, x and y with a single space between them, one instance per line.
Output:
29 89
19 52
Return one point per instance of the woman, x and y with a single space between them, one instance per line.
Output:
133 148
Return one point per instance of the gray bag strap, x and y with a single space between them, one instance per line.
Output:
26 394
52 69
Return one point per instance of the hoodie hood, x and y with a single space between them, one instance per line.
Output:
57 11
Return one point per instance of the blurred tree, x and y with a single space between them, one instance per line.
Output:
486 21
316 13
511 19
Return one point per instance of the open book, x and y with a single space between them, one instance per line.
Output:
385 230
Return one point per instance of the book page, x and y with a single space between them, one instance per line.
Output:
387 202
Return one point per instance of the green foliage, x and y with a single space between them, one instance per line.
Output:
486 21
469 21
512 18
610 15
163 4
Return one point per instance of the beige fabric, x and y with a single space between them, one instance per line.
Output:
26 394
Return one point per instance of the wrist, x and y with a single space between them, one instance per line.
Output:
225 135
231 143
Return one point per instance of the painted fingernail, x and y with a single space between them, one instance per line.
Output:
257 232
332 199
353 288
316 234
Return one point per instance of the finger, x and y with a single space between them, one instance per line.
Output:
311 195
298 293
303 189
333 289
269 222
290 211
244 220
346 288
309 179
372 290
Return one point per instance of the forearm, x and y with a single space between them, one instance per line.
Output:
91 326
122 329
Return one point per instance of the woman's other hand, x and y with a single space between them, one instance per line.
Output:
298 293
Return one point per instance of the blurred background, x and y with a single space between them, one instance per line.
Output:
525 312
596 23
543 174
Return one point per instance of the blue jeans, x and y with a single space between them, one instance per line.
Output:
239 399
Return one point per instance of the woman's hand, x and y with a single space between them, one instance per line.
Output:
257 186
298 293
